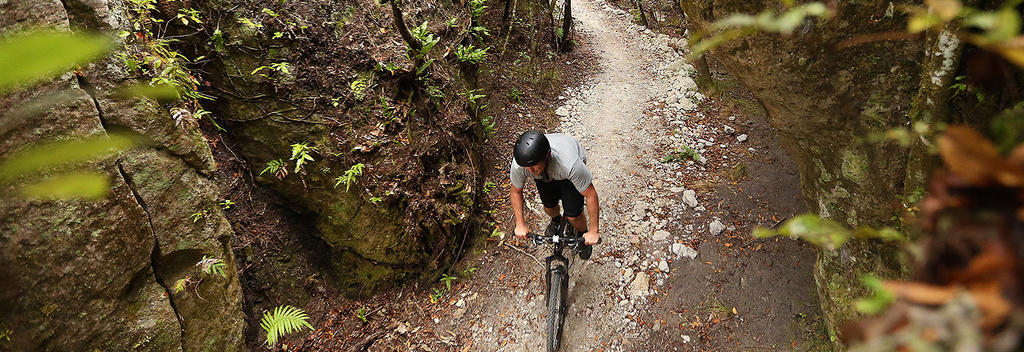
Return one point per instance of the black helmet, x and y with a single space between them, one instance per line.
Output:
531 147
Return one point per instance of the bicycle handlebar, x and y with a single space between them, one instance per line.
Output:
569 241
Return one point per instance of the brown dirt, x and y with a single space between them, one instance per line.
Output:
768 281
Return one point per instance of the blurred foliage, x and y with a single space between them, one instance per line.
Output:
40 158
1007 128
73 185
32 57
825 233
996 30
740 25
968 288
163 93
59 156
879 299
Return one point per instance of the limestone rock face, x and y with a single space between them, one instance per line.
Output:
95 275
824 100
409 211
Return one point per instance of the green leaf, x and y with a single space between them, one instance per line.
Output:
922 21
424 66
284 320
180 285
825 233
999 26
37 158
159 92
879 299
39 55
76 185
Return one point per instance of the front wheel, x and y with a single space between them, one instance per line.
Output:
558 289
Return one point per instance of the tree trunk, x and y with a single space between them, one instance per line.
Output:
930 106
402 29
566 26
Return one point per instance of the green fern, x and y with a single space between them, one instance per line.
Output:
472 55
349 177
180 285
300 153
275 167
212 266
284 320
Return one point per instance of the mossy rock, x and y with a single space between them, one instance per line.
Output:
837 274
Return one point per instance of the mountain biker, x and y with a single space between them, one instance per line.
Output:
558 165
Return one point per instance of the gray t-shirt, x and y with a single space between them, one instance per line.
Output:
568 162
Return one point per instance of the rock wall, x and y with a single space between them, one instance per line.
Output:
96 275
353 93
825 102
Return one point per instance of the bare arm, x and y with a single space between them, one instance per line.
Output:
594 213
516 196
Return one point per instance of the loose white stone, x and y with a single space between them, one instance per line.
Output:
690 198
741 138
660 235
663 266
688 83
687 104
683 251
716 227
638 288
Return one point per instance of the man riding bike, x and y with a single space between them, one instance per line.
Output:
557 163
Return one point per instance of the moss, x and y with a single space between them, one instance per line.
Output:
838 274
875 115
855 166
824 175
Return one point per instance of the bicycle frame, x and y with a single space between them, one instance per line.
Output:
556 255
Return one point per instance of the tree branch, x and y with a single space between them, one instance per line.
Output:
402 29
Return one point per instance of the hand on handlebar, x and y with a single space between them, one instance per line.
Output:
521 231
591 238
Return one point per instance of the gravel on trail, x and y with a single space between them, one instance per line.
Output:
657 148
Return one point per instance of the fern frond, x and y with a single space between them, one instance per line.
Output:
212 266
284 320
180 285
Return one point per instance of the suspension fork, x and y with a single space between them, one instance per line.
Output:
556 257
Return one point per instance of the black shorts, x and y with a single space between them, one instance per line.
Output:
551 192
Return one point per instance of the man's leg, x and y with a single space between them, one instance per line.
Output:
573 201
549 193
553 212
579 222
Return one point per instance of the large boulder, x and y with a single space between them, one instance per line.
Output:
98 275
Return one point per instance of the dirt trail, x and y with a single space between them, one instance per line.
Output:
657 218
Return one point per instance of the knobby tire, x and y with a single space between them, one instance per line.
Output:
557 291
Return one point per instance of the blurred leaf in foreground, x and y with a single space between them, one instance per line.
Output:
43 54
823 232
74 185
879 299
740 25
38 158
159 92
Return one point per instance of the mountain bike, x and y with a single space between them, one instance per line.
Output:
556 279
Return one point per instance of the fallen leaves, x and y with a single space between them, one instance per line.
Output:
968 258
969 155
